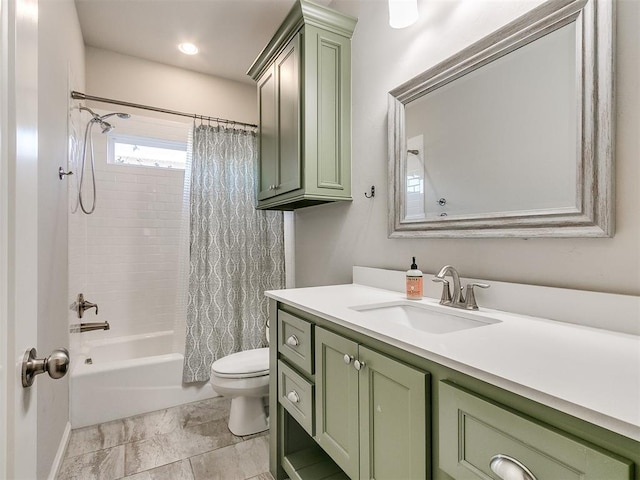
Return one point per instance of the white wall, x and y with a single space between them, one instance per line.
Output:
61 51
131 79
332 238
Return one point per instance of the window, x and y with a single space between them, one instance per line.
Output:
415 184
146 151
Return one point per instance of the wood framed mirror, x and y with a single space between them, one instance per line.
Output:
513 136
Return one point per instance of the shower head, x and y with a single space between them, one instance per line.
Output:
95 116
106 126
119 114
100 119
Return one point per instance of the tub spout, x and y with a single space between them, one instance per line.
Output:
88 327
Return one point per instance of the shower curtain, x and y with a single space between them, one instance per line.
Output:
236 251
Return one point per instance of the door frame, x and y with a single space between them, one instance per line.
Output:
18 233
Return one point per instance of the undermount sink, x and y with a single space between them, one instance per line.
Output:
426 318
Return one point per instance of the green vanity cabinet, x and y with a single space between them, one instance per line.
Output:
304 100
337 406
351 406
371 410
475 431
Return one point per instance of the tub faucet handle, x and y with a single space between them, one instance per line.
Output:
82 305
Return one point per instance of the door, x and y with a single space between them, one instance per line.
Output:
267 135
393 418
18 234
288 80
337 399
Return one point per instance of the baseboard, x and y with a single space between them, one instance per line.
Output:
62 449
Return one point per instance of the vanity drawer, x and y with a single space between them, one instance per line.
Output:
474 430
295 394
295 341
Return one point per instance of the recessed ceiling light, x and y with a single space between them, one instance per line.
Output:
188 48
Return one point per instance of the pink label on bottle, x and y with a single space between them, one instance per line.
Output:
414 287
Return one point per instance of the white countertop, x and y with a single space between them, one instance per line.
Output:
589 373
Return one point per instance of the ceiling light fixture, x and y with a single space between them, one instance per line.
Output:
402 13
188 48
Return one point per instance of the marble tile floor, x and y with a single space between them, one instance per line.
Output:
188 442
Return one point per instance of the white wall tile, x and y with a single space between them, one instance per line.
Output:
124 256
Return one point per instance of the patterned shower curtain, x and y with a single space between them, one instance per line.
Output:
236 251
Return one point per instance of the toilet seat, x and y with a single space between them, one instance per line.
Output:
246 364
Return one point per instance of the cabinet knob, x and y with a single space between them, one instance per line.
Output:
293 341
508 468
293 396
359 365
348 358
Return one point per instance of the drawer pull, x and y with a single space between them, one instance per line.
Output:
508 468
293 341
359 365
347 358
293 396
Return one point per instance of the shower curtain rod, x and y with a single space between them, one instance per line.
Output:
81 96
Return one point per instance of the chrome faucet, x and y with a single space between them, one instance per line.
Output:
81 305
466 301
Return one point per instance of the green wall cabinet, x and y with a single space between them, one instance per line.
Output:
304 106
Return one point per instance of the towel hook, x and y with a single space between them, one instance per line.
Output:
373 192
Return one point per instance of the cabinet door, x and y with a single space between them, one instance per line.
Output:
393 419
337 400
287 67
267 135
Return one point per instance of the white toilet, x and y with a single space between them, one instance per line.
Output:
244 377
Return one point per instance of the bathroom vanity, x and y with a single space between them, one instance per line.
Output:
365 384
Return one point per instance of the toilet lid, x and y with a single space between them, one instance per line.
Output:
250 363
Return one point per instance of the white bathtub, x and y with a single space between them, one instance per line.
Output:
128 376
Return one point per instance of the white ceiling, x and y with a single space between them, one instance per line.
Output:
229 33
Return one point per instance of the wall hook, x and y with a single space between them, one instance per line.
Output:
372 194
62 173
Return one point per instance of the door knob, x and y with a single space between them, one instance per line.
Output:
56 365
359 364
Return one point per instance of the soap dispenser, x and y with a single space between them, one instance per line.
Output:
414 282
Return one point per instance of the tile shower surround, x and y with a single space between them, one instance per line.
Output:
124 256
189 442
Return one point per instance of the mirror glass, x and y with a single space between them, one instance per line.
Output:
499 139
